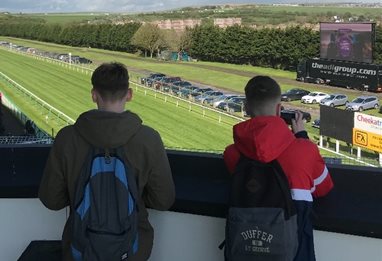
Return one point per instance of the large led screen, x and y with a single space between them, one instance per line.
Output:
347 41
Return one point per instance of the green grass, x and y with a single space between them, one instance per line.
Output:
69 91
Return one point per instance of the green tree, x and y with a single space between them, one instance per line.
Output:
147 38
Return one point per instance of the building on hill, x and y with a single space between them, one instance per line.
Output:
181 24
177 25
226 22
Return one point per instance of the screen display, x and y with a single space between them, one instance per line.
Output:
347 41
336 123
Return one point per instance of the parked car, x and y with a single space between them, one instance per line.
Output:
151 76
209 95
194 88
335 100
222 106
151 80
183 84
184 93
166 82
203 90
294 94
363 103
223 98
314 97
316 123
235 104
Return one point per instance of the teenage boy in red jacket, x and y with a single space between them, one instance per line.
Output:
266 137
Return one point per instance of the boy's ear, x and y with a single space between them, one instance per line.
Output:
247 109
94 95
279 108
129 95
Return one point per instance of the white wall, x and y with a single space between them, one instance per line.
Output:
178 236
189 237
186 237
24 220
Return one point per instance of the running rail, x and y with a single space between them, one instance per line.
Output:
39 100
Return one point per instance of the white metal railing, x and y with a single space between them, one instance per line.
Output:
37 99
188 101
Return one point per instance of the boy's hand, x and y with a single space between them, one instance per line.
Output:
298 123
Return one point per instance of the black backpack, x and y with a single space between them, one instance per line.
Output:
105 218
262 222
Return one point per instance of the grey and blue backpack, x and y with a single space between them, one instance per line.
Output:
105 218
262 221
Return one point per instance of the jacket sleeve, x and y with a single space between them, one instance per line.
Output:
322 181
53 191
159 192
231 157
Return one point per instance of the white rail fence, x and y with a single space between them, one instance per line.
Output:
60 115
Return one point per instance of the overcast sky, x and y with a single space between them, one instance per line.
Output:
38 6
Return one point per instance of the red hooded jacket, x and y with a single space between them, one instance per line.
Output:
267 138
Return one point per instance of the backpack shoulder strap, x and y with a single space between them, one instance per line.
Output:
284 185
131 179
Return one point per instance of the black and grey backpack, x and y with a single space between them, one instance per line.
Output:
105 218
262 222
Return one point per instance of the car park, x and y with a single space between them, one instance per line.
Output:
314 97
363 103
335 100
294 94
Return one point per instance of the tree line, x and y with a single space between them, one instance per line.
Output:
276 48
104 36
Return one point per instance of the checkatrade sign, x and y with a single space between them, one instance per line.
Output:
367 132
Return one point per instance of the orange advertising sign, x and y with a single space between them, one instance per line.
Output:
367 140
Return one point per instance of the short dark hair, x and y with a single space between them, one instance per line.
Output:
260 91
111 81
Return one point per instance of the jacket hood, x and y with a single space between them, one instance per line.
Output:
105 129
262 138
